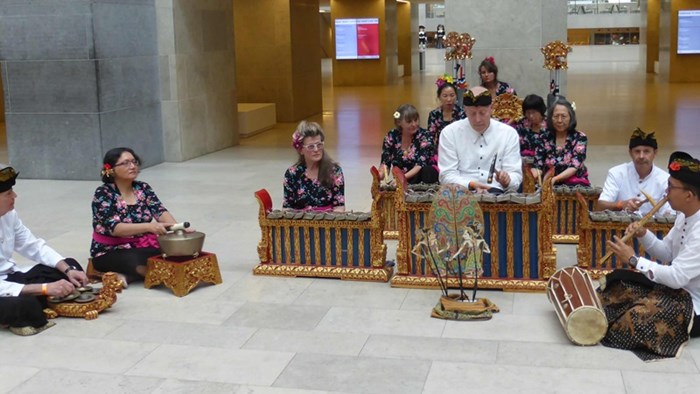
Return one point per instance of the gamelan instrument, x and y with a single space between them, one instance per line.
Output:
570 290
642 222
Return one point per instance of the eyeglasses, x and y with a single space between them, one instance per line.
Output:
126 163
313 147
670 186
560 117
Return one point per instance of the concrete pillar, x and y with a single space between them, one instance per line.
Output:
513 33
278 46
80 77
197 77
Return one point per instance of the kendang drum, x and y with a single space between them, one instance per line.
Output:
576 303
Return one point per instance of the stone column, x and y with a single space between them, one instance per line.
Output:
513 33
80 77
197 77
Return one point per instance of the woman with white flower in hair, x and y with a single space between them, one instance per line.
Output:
562 146
315 182
409 148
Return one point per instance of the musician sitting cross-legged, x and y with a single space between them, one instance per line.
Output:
24 290
665 300
478 152
625 183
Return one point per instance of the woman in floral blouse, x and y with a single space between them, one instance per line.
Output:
127 218
447 112
563 147
531 127
488 71
409 148
315 181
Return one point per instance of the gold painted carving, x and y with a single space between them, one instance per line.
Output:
111 285
181 277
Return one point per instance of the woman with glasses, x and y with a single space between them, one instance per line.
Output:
127 218
409 148
563 148
315 182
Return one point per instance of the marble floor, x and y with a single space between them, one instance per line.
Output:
255 334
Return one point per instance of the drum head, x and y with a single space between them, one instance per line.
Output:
586 326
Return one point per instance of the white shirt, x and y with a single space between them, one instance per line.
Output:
16 237
681 247
465 155
623 182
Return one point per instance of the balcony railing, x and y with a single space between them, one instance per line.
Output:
593 7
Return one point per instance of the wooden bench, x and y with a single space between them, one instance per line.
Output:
346 249
519 235
256 117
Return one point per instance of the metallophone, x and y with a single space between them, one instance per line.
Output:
596 228
516 226
568 208
322 244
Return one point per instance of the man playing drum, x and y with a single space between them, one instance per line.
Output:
625 182
680 248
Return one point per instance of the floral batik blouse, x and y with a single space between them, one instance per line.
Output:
530 141
109 209
504 87
420 153
572 154
300 192
436 122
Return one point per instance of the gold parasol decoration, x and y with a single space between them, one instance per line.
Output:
459 46
555 54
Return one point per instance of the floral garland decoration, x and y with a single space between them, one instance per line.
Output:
459 83
107 170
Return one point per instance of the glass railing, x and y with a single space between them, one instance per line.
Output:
593 7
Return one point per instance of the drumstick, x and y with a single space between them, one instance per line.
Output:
492 170
649 199
642 222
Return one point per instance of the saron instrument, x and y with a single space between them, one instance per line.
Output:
642 222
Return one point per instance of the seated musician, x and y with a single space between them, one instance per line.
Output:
127 218
563 147
471 148
409 148
23 290
488 72
679 249
530 127
625 182
315 182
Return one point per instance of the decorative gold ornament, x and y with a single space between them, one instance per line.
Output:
555 54
507 107
182 276
461 46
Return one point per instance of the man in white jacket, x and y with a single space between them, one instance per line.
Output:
480 153
23 290
680 248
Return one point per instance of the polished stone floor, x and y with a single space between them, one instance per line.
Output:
256 334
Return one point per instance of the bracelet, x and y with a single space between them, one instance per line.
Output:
44 289
470 186
619 205
69 269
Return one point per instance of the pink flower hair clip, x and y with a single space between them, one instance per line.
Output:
297 140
